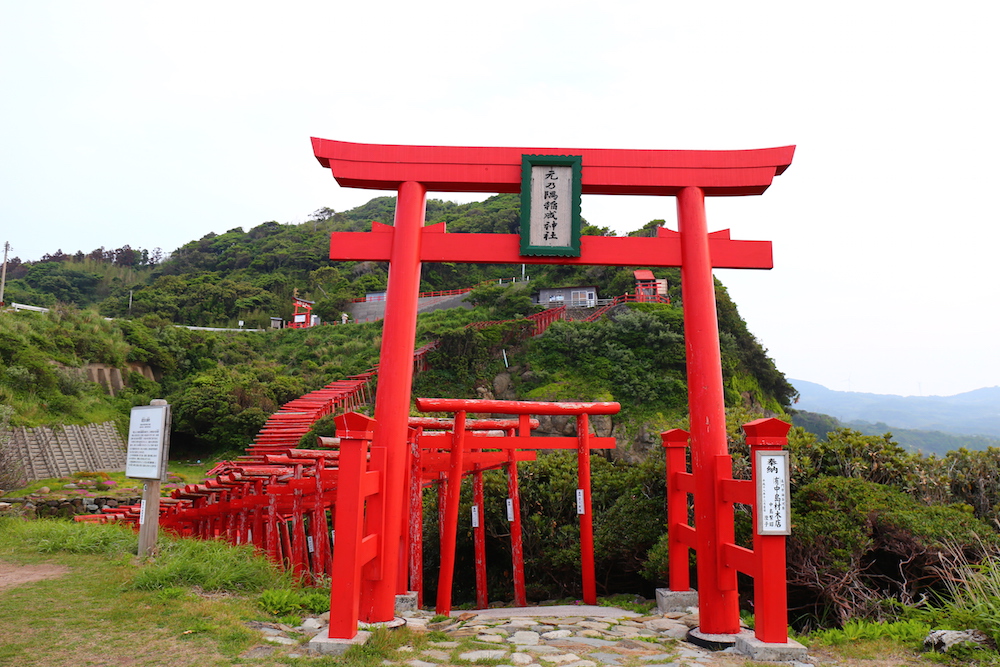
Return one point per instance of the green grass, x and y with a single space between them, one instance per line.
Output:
109 607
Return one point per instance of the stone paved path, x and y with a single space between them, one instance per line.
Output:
567 636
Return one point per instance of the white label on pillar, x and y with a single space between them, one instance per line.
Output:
309 541
142 511
475 516
580 509
773 514
333 534
510 509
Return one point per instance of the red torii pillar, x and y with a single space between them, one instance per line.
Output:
689 176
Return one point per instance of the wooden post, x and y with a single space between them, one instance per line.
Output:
149 517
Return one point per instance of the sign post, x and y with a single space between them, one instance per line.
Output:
148 448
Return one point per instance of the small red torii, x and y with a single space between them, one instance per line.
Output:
689 176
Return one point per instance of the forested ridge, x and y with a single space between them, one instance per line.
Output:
873 522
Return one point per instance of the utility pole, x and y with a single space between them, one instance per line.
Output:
3 273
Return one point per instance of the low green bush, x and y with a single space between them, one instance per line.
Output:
856 544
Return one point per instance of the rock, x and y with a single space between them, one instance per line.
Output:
257 652
312 624
462 632
561 658
594 625
467 616
474 656
281 639
490 639
521 659
586 641
443 626
44 489
690 620
556 634
942 640
524 638
437 655
637 645
70 486
623 631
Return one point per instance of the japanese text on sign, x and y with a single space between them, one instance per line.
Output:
550 205
146 434
773 514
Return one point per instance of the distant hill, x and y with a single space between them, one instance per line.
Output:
974 413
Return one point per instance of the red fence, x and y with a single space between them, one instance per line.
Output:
766 561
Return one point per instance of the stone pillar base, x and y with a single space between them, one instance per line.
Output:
321 643
668 600
755 649
406 602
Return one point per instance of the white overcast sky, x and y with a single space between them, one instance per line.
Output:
153 124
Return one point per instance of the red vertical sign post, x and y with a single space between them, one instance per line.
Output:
689 176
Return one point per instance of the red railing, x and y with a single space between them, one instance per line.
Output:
422 295
626 298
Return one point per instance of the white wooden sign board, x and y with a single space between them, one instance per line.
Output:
146 437
773 498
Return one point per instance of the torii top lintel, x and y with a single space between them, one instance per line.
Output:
606 171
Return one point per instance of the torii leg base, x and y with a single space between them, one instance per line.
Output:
714 642
755 649
325 645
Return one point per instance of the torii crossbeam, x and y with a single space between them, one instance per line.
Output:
689 176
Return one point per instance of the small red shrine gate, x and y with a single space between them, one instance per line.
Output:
302 317
689 176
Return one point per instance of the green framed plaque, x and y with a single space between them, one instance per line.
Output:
550 204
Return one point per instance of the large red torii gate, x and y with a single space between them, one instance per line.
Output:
689 176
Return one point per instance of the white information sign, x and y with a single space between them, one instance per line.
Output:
146 437
475 516
510 509
773 506
580 509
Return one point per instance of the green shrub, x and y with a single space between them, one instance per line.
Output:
856 544
279 601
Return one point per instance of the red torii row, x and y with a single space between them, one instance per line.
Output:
689 176
446 459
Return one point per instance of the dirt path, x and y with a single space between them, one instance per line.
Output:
15 575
